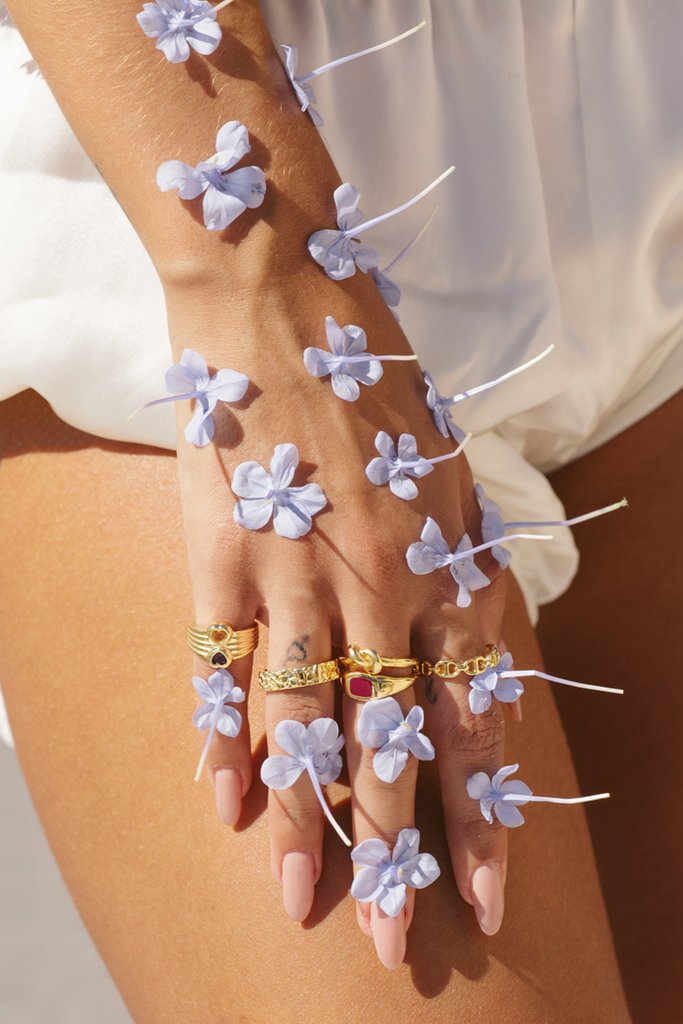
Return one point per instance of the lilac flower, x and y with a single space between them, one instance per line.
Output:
432 552
396 466
341 252
226 196
314 749
348 362
190 378
178 25
505 798
383 725
388 289
269 494
303 91
385 876
493 524
300 84
498 682
441 404
213 715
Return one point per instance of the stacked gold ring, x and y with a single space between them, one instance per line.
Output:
362 677
219 644
293 678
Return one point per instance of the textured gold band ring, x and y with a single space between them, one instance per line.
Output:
219 644
293 678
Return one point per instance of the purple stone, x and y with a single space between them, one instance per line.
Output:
219 658
360 687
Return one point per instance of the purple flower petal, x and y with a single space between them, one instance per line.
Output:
283 465
253 513
246 184
174 174
389 762
200 427
393 900
366 886
280 771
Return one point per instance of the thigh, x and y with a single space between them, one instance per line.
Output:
94 598
620 623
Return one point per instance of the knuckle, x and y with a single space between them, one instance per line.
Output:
481 831
297 706
477 738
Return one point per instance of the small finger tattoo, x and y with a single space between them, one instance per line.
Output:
431 694
298 650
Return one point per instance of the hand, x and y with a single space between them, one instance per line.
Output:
346 581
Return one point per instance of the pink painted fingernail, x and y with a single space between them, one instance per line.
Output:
488 896
228 784
298 886
389 934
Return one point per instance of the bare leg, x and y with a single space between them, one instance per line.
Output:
94 599
620 623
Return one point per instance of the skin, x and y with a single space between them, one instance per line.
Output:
184 911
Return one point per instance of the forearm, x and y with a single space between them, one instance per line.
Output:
132 110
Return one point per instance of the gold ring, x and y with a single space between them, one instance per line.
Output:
373 663
362 686
447 668
292 678
220 644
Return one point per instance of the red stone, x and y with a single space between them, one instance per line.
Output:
360 687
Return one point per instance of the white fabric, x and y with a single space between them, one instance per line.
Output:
563 223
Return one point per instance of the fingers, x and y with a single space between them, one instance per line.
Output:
295 817
467 743
222 719
380 809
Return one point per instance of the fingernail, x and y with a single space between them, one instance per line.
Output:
488 896
228 785
389 934
298 886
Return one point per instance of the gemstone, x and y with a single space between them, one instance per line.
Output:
360 687
218 636
219 658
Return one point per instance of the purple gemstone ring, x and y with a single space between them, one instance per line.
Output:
220 644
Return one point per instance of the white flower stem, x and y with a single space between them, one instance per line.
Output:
509 798
414 240
361 53
353 232
499 380
513 674
212 732
456 556
439 458
160 401
219 7
323 803
577 519
365 357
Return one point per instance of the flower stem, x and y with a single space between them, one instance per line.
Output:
456 556
511 797
439 458
365 357
415 239
212 732
513 674
323 803
160 401
577 519
361 53
499 380
219 7
353 232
